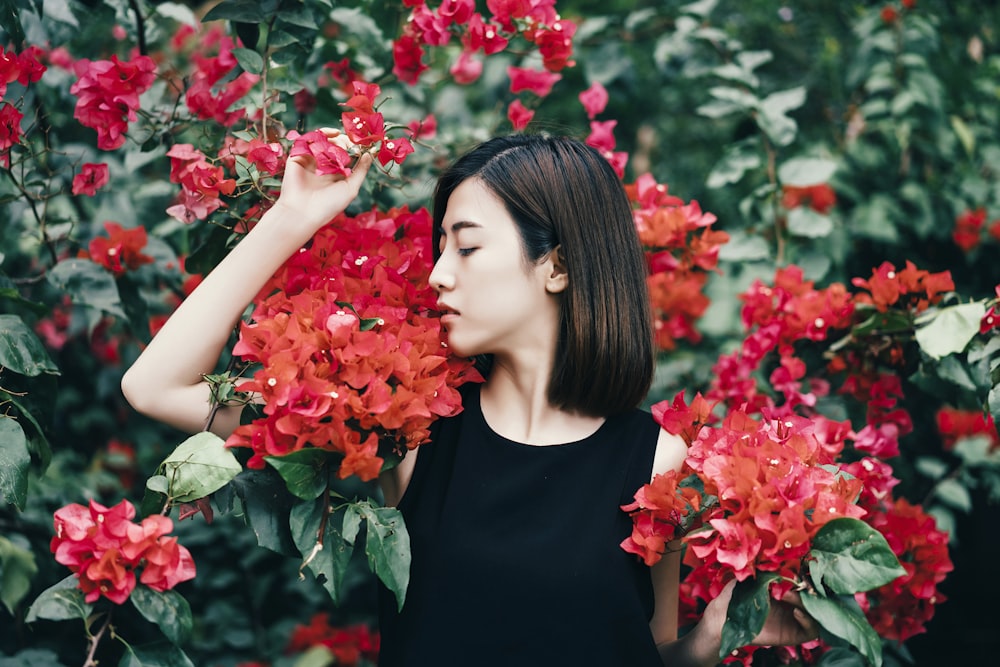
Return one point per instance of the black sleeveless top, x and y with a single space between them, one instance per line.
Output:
516 556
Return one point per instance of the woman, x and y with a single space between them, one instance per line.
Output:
513 507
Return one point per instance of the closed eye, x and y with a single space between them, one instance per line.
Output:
465 252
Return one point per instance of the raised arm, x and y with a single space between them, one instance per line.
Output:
166 381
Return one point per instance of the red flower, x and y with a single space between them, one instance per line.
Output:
968 227
538 82
954 424
407 58
457 11
556 45
10 131
121 250
365 129
466 69
423 129
105 550
602 135
820 198
347 644
108 92
921 289
519 115
202 183
92 177
889 14
483 36
594 99
394 150
206 97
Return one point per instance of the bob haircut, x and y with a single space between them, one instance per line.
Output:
564 197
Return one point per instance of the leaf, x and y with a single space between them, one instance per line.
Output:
266 504
10 21
306 471
839 656
160 654
14 462
388 548
733 165
803 172
249 60
198 467
244 11
167 610
39 444
17 567
88 284
805 222
842 617
849 556
950 329
60 602
327 561
748 609
783 101
954 494
20 349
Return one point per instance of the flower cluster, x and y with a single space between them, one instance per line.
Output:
348 645
768 486
351 353
681 247
910 288
25 68
209 71
536 22
121 250
955 424
820 198
202 183
108 95
92 177
991 318
106 549
366 127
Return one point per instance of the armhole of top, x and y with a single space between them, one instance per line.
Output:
643 451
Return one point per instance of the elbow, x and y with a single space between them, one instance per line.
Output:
136 392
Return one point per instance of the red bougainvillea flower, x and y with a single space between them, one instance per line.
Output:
105 549
910 287
594 100
10 131
423 129
466 69
889 14
820 198
431 26
24 67
394 150
92 177
207 96
539 82
351 353
407 58
555 44
330 158
202 183
108 95
968 228
347 644
955 424
121 250
519 115
483 36
900 609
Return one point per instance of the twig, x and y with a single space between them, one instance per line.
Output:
140 27
95 639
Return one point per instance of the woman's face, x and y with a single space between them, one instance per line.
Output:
492 303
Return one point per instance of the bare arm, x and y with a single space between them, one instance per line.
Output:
166 382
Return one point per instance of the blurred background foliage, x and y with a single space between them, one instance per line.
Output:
714 98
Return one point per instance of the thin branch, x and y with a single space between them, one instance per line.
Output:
140 26
95 639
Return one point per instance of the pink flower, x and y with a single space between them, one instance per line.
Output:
330 158
10 131
466 69
594 99
538 82
394 150
423 129
92 177
518 115
108 95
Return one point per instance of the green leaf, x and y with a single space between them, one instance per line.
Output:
39 444
805 222
88 284
267 505
17 567
327 561
734 164
298 15
20 349
244 11
249 60
843 618
849 556
167 610
388 548
783 101
954 494
60 602
306 472
743 99
748 609
744 247
803 172
950 329
14 462
839 656
161 654
199 466
10 21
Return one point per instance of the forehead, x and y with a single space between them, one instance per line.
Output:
473 202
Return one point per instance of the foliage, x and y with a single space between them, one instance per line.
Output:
848 156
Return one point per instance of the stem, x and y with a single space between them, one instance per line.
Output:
140 27
95 639
772 177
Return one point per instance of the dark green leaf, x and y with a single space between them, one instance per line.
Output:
249 60
327 560
14 462
843 618
60 602
298 15
851 557
20 349
199 466
10 21
244 11
167 610
38 444
748 609
17 567
305 472
162 654
267 504
388 548
135 308
87 284
213 248
838 656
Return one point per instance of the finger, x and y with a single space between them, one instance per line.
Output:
360 170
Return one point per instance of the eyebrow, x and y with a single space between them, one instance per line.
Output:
460 225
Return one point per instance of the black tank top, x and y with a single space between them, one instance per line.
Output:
516 556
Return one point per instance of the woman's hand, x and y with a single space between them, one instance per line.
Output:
312 199
787 622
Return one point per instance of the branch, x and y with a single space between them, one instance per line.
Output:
94 641
140 27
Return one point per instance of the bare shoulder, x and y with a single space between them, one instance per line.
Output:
670 453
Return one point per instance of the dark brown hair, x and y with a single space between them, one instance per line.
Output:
561 192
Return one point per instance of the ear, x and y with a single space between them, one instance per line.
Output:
558 278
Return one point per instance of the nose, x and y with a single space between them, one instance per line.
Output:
441 277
